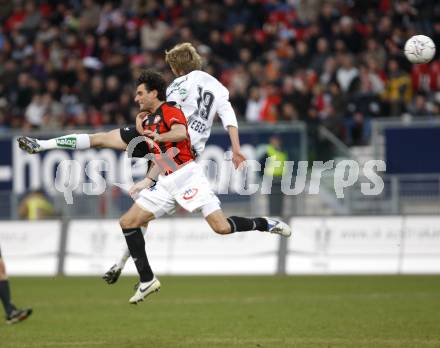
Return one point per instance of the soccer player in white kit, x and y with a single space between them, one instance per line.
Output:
200 96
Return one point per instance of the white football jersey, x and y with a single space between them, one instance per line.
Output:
201 96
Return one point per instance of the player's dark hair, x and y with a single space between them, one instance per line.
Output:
153 81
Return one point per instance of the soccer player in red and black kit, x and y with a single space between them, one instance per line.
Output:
173 178
161 122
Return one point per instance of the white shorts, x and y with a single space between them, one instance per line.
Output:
188 187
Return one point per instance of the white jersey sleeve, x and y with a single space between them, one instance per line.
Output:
226 113
201 96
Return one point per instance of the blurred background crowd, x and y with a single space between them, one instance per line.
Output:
336 63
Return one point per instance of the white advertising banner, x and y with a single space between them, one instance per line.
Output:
319 245
421 244
364 245
93 247
30 248
174 246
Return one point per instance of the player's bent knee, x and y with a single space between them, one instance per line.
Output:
97 140
218 222
222 229
129 221
122 221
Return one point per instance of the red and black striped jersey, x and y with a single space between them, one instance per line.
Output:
160 122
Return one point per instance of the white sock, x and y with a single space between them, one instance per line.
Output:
123 259
68 142
126 254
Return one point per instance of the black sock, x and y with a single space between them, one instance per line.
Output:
241 224
5 296
136 245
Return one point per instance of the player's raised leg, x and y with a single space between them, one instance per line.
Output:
131 223
67 142
111 139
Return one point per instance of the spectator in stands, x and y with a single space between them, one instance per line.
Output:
84 53
420 107
346 73
359 129
321 55
288 112
375 52
35 110
91 14
398 90
35 206
254 106
349 35
273 167
32 18
153 33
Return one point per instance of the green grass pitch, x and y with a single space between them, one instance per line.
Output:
209 312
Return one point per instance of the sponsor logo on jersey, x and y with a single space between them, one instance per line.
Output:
67 143
190 193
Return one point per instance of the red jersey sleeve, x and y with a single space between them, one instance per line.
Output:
174 115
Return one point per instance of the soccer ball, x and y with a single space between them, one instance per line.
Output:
419 49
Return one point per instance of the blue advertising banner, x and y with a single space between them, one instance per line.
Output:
21 172
412 150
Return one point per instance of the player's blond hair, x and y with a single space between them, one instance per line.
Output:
183 58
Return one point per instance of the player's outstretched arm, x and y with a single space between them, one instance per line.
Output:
111 139
176 133
229 121
237 157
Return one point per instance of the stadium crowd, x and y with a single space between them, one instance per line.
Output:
334 63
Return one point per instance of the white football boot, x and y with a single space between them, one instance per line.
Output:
145 289
278 227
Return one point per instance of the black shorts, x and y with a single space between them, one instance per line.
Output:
127 135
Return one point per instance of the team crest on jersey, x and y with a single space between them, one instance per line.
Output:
190 193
